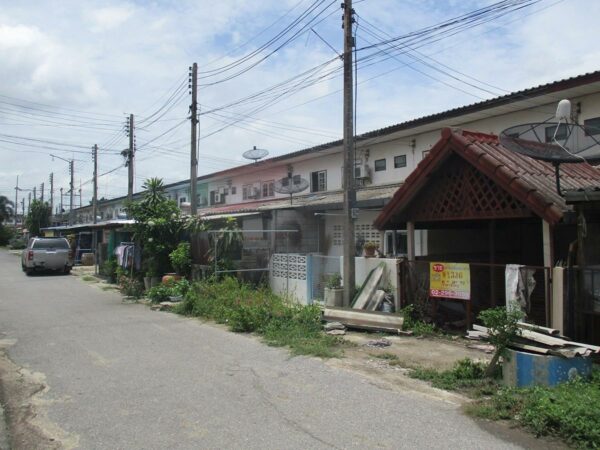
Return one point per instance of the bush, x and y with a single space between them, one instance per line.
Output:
17 243
181 259
130 287
109 269
163 292
6 234
413 323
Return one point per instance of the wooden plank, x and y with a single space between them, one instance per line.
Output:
480 328
369 287
543 338
539 329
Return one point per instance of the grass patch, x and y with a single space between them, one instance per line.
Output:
245 308
109 288
416 325
570 410
89 278
466 376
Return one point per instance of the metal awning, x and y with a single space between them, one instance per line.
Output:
224 216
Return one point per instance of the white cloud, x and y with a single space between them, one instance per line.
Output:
108 18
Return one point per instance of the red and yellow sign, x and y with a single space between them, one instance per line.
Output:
450 280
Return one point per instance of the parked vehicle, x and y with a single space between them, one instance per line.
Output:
47 254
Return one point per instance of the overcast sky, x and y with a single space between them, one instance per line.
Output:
88 64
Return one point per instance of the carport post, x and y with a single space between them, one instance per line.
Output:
547 246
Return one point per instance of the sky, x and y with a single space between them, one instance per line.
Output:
71 72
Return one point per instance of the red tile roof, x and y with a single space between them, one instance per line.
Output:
530 181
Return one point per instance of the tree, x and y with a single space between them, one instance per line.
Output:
38 217
6 208
158 224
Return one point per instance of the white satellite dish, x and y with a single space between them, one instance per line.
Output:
255 153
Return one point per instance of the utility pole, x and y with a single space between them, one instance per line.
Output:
95 193
349 189
42 192
193 149
51 192
23 210
34 193
16 200
71 188
28 202
80 204
130 156
95 207
61 204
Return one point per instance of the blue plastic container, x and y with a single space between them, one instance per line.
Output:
522 369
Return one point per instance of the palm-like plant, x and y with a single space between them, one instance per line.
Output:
155 192
6 208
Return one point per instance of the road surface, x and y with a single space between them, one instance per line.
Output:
95 373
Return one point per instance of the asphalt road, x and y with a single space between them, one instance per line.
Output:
119 376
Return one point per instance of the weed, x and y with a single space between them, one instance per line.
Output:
466 374
416 325
386 355
245 308
570 410
89 278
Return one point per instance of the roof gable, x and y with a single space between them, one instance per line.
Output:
529 182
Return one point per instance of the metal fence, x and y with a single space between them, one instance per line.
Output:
487 288
583 304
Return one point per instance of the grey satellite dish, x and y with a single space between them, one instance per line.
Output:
290 185
557 140
255 153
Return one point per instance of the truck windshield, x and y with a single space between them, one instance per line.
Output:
48 244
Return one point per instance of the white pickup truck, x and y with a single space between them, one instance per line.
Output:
47 254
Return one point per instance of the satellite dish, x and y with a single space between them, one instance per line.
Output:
255 153
558 141
290 185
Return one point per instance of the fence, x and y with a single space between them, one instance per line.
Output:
583 304
487 289
321 269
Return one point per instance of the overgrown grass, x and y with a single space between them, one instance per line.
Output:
570 410
466 376
413 323
245 308
89 278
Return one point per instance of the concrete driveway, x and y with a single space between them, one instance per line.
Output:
83 370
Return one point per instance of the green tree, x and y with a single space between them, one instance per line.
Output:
6 208
38 217
158 224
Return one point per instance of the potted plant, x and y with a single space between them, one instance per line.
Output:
334 294
370 248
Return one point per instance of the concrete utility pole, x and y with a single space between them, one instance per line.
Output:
71 188
349 189
95 193
29 202
42 192
130 156
16 200
61 203
193 149
23 210
51 192
34 193
80 204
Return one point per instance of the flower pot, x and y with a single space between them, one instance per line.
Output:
334 297
369 252
170 278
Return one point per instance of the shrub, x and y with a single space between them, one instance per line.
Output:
503 327
163 292
181 259
334 281
413 323
131 287
464 374
6 234
17 243
109 269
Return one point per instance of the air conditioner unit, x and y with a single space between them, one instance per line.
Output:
362 171
217 197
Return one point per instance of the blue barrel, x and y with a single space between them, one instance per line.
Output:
521 369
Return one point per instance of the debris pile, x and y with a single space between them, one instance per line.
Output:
540 340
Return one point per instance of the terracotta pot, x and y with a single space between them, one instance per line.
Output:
369 252
170 277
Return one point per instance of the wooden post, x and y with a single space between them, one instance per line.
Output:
548 260
410 238
492 262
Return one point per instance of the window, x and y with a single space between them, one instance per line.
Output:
592 126
233 190
318 181
399 161
379 165
246 191
561 132
267 189
182 200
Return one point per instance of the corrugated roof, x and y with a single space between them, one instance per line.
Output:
530 181
325 199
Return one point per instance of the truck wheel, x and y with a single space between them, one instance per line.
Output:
67 270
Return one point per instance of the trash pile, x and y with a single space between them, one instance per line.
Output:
540 340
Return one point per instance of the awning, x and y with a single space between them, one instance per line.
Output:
224 216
